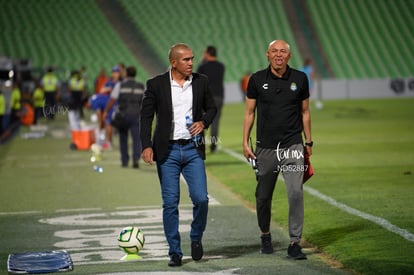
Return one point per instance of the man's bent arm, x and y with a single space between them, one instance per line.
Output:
306 122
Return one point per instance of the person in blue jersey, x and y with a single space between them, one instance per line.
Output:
98 103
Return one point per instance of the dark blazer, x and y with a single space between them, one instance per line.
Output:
157 101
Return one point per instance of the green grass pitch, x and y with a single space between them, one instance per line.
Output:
363 158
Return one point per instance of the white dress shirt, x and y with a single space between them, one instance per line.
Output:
182 103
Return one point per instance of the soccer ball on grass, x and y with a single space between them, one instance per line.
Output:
131 240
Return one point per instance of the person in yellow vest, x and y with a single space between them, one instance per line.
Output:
15 104
50 85
2 112
38 102
77 90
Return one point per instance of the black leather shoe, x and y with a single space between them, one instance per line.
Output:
196 250
175 261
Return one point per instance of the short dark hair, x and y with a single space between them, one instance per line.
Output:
173 52
131 71
211 50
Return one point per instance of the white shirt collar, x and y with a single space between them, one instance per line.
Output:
172 81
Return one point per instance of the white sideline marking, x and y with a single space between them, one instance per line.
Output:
235 155
20 213
377 220
380 221
77 210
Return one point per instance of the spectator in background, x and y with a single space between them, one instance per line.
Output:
83 73
308 70
122 69
243 84
77 90
128 94
84 100
38 100
100 81
50 84
98 103
15 104
214 70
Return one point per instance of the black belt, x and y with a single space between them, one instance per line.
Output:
180 141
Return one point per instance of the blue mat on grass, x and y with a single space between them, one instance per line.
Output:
39 262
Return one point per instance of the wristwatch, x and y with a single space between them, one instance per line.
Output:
310 144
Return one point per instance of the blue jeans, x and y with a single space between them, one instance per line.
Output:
186 160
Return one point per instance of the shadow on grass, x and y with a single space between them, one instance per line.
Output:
380 266
326 237
234 251
356 112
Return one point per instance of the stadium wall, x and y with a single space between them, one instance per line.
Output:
327 89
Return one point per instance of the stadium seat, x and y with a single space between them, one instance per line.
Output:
357 37
66 34
366 39
239 29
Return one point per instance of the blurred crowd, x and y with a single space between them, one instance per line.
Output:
41 98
